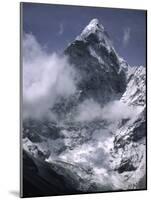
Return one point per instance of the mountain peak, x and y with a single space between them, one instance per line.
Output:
95 23
92 27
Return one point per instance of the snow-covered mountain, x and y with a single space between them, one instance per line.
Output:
102 75
100 136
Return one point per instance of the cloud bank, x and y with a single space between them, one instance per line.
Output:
46 77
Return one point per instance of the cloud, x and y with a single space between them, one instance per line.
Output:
46 77
126 36
61 29
88 110
114 111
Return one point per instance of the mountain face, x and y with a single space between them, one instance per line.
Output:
102 75
100 138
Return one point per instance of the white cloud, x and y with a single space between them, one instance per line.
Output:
46 77
90 110
61 29
126 36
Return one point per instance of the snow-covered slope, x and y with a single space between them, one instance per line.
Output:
129 151
136 86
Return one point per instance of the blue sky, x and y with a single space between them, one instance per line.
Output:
54 26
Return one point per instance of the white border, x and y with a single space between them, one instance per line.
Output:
9 99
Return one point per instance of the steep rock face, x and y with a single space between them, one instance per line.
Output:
98 64
43 179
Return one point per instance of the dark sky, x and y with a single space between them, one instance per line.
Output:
54 26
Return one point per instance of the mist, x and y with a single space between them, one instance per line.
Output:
46 77
113 111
